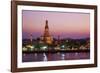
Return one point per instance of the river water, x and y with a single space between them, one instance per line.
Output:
36 57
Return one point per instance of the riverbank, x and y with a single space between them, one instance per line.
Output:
55 51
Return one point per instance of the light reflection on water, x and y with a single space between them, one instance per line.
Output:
34 57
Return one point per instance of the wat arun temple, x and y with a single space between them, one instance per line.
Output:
46 38
47 42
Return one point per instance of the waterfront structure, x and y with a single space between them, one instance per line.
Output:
31 38
46 38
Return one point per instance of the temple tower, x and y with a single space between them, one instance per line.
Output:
47 37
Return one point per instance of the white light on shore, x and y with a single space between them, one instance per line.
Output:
44 47
24 49
62 46
29 46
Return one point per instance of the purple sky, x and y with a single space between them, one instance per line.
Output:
67 25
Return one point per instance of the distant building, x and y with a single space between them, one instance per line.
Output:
46 38
31 38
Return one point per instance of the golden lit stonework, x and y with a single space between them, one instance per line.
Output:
46 38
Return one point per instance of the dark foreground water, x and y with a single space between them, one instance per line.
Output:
35 57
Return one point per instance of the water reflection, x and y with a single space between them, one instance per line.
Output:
44 57
34 57
35 54
62 56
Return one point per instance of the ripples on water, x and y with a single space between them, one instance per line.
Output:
35 57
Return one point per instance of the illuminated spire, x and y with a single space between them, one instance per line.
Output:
31 38
46 26
47 37
46 32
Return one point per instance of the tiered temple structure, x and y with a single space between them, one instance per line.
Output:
46 38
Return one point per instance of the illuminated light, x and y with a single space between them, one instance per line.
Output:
31 49
62 55
29 46
32 46
24 49
44 47
57 48
62 46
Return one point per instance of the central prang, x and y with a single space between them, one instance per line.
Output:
46 38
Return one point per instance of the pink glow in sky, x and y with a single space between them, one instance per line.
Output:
67 25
